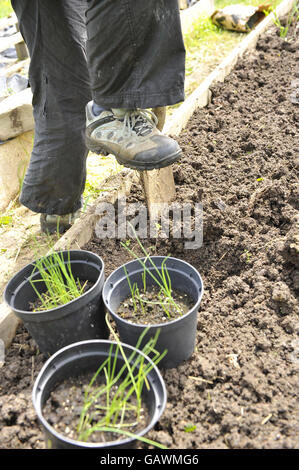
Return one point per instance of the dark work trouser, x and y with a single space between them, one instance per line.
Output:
121 53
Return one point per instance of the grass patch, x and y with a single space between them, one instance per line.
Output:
5 8
98 169
206 40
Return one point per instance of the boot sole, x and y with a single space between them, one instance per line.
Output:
135 165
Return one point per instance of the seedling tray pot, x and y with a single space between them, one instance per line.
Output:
81 319
84 357
178 336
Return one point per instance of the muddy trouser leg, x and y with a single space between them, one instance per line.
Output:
55 34
136 59
135 52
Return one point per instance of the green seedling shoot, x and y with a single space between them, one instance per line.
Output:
61 286
160 276
293 15
106 407
248 255
190 428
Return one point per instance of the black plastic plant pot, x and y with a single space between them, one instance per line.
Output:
86 357
81 319
177 336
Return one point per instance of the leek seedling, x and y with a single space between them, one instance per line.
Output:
107 407
61 286
135 294
159 275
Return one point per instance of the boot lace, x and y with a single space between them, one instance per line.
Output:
139 121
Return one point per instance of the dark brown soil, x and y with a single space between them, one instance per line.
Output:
240 387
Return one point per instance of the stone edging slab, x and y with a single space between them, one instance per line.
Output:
121 184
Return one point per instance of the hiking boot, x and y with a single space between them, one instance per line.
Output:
131 135
57 223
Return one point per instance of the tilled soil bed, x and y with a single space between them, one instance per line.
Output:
240 387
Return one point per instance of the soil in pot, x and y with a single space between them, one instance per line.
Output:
38 304
162 277
154 308
54 282
64 406
102 394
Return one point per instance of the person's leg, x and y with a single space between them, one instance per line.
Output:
136 60
136 54
56 38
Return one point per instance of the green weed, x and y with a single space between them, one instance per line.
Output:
190 428
247 256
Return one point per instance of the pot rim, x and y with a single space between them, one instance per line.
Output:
155 325
29 313
38 408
